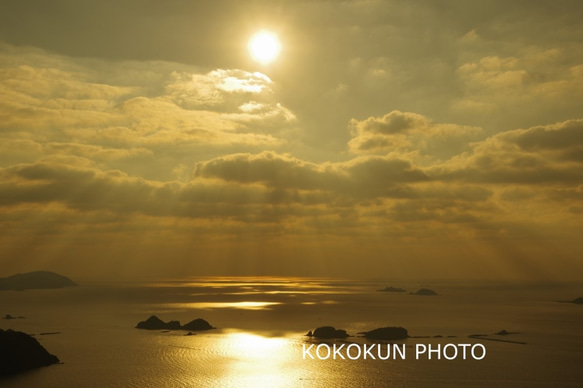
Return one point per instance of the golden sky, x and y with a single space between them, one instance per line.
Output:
398 139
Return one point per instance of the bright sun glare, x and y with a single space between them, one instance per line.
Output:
264 47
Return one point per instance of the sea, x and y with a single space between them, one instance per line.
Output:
261 325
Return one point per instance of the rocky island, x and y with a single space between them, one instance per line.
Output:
197 325
424 292
155 323
8 316
35 280
328 332
20 352
392 289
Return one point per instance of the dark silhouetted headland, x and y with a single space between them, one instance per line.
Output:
328 332
392 289
20 352
35 280
387 333
155 323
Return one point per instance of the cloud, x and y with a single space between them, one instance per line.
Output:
410 133
161 115
538 155
534 76
267 167
218 89
391 123
361 177
90 143
245 188
493 72
134 143
561 137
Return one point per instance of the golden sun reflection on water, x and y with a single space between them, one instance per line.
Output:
256 346
253 360
245 305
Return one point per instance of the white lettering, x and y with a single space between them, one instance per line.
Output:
367 351
431 350
318 351
463 346
454 352
388 352
348 351
401 351
337 352
307 351
418 350
483 351
355 351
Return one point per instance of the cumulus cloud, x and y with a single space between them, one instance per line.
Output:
391 123
473 188
53 105
74 141
360 177
542 154
407 133
562 137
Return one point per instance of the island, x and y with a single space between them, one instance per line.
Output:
328 332
506 332
20 352
392 289
387 333
35 280
198 324
424 292
8 316
155 323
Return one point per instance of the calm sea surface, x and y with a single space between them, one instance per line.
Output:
262 324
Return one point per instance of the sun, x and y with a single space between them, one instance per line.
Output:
264 47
